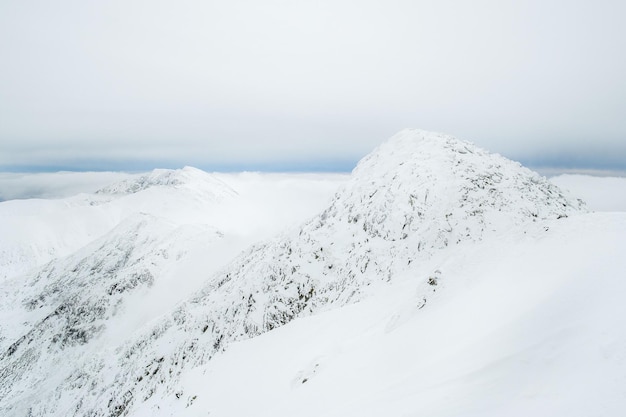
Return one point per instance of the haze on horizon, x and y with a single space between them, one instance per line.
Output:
279 85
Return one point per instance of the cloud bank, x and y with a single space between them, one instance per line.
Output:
54 185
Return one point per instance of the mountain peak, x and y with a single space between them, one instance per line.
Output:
418 146
444 190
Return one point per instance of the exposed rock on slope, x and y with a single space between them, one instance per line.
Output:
417 193
70 303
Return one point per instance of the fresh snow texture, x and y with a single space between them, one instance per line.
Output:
439 280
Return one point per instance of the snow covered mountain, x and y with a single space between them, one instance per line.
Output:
190 178
157 236
418 200
530 326
38 231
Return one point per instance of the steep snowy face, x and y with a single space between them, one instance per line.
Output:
86 302
418 193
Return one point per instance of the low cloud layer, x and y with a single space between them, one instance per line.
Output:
54 185
286 85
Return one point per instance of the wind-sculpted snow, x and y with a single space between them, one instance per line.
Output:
416 194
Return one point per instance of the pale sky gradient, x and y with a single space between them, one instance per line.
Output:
300 84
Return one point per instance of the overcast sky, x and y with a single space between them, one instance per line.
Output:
127 84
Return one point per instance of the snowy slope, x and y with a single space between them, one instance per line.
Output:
64 310
529 327
158 242
153 230
418 196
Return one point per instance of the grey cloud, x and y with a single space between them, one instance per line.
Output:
54 185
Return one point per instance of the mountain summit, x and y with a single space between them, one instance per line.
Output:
442 191
418 193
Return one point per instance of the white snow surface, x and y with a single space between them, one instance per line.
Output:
440 280
533 325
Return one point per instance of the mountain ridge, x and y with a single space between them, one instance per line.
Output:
417 194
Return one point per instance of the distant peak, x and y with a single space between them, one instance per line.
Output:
187 177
